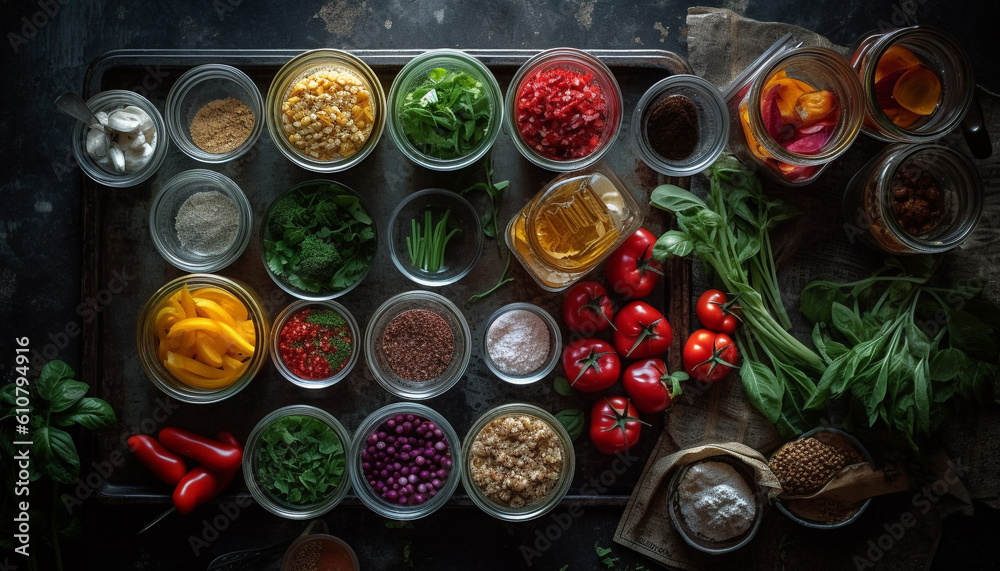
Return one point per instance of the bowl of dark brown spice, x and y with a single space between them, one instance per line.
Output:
806 465
418 345
200 221
214 113
681 125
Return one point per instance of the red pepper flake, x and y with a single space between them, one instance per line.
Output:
561 114
418 344
315 343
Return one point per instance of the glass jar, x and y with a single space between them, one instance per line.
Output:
914 199
572 225
819 99
907 49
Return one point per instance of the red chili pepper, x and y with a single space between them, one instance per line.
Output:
225 478
165 464
218 456
195 488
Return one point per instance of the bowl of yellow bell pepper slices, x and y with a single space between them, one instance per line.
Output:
203 337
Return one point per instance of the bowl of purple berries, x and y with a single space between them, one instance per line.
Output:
405 461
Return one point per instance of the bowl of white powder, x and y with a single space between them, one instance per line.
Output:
522 343
715 504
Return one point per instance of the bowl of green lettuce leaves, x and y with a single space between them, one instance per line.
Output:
318 240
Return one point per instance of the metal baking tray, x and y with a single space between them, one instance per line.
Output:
121 269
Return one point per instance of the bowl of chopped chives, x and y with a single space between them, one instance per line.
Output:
200 221
435 237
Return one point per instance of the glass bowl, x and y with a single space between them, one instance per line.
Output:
314 547
418 77
331 192
690 536
463 249
710 134
378 358
366 437
257 445
509 347
228 296
575 61
531 509
346 324
208 84
832 437
204 249
287 103
108 101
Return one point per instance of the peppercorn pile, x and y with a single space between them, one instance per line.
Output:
917 201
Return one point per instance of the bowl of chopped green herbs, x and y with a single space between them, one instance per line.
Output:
295 462
318 240
446 110
435 237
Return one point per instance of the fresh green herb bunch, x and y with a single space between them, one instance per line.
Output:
427 244
300 460
447 115
903 351
319 239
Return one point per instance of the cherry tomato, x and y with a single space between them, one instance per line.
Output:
195 488
649 385
591 365
641 331
614 425
165 464
631 270
587 308
217 456
709 356
713 311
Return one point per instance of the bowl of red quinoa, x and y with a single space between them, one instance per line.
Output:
405 460
315 344
563 109
522 343
518 462
417 345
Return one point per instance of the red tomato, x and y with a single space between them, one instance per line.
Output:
649 385
591 365
614 425
709 356
713 311
641 331
631 270
587 308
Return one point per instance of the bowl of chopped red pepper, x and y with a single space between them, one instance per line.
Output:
564 109
418 345
315 344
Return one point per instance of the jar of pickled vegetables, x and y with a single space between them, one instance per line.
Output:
917 82
798 112
914 199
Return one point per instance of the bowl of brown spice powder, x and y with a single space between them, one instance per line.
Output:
418 345
681 125
214 113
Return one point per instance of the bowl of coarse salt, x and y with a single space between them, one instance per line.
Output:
522 343
200 221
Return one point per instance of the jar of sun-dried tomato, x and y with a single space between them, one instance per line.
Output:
918 83
793 112
563 109
914 199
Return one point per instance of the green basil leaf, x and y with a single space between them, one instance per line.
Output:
675 199
946 364
918 342
817 299
847 322
49 382
55 455
562 386
89 412
922 397
68 392
8 395
572 420
672 243
763 389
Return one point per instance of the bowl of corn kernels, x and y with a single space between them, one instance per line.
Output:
325 110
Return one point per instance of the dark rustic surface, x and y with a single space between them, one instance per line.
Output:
50 44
